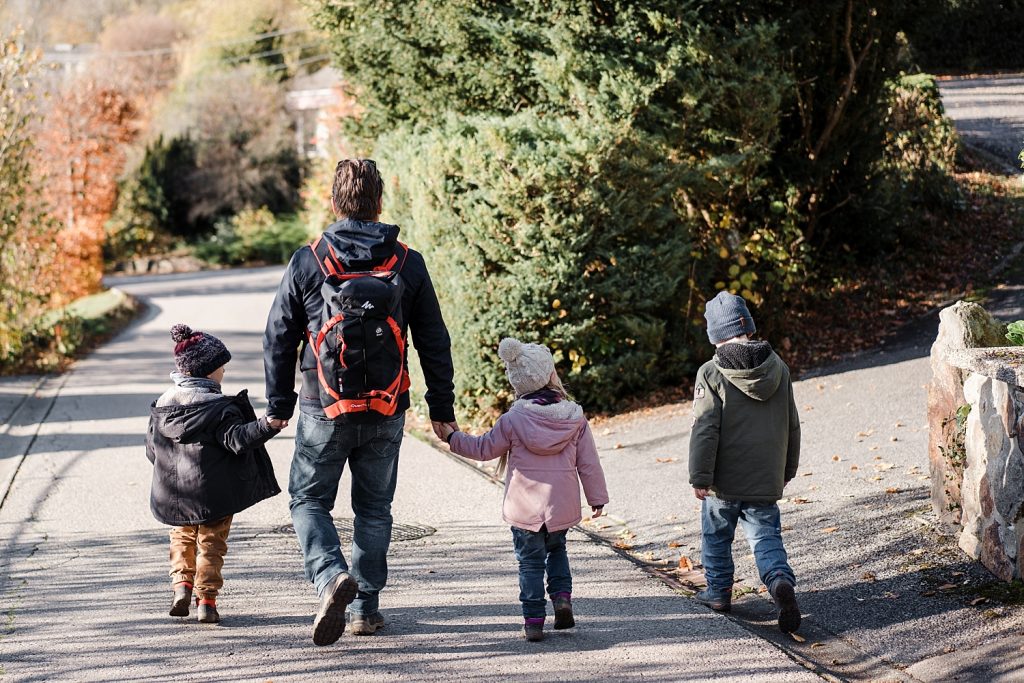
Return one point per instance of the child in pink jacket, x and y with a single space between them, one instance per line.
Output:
549 449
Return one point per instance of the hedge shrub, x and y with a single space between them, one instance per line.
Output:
554 230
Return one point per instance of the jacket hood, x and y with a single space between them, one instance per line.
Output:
362 242
547 428
752 367
183 421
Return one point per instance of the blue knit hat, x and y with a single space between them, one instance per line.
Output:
728 317
196 353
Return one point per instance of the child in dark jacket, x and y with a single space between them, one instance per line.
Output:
209 463
744 448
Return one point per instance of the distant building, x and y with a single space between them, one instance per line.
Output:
314 100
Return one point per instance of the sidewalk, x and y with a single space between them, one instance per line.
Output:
83 589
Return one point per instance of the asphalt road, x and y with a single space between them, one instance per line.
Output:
83 565
989 113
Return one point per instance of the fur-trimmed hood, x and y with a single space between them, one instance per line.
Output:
547 428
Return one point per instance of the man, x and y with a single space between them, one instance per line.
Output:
368 441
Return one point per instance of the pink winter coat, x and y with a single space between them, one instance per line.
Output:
550 451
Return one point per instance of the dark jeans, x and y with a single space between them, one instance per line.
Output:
538 551
322 448
763 529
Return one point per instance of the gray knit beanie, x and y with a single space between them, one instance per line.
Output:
197 354
527 366
728 317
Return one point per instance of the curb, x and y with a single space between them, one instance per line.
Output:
31 414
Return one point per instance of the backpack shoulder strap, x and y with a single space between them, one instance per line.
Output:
325 257
397 260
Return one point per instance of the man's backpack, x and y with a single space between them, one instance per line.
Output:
360 348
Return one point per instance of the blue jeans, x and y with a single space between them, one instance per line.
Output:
763 529
538 551
321 449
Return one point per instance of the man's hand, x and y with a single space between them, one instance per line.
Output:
597 511
443 429
701 494
277 424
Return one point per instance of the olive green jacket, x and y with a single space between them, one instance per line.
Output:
745 440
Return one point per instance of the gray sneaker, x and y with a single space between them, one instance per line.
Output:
365 624
330 619
716 601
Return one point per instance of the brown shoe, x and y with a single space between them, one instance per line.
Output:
182 599
563 611
533 631
330 619
365 624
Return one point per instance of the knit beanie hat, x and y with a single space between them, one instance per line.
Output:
728 317
527 366
197 354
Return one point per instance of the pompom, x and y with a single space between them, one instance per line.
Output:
180 333
510 349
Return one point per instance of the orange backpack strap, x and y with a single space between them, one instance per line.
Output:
325 257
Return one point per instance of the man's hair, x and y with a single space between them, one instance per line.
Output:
357 189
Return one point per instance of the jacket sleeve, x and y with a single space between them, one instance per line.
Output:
793 451
588 466
286 327
434 347
704 435
489 446
238 435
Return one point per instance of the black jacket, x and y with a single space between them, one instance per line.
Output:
359 245
209 460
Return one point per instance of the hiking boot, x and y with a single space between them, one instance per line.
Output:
182 599
365 624
716 601
789 612
563 610
533 630
208 613
329 623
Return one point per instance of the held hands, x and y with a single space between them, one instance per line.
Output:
277 424
444 429
596 511
701 494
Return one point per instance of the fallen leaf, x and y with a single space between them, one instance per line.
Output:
868 576
665 459
675 544
798 638
917 551
685 564
787 527
800 501
894 489
854 468
873 448
876 478
836 458
978 601
617 446
947 586
622 545
893 438
867 433
815 645
898 425
807 474
956 574
829 529
928 594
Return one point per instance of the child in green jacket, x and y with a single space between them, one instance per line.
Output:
744 448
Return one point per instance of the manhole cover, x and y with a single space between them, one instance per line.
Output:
399 531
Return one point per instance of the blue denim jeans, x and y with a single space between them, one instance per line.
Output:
322 447
763 529
538 551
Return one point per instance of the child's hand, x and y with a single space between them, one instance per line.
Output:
446 430
597 511
701 494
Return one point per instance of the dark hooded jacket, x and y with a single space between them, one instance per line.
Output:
360 245
208 459
745 440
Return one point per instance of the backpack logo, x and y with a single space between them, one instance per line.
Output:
380 332
367 306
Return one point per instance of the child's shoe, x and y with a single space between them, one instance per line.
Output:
182 599
563 610
533 629
789 612
208 611
716 601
